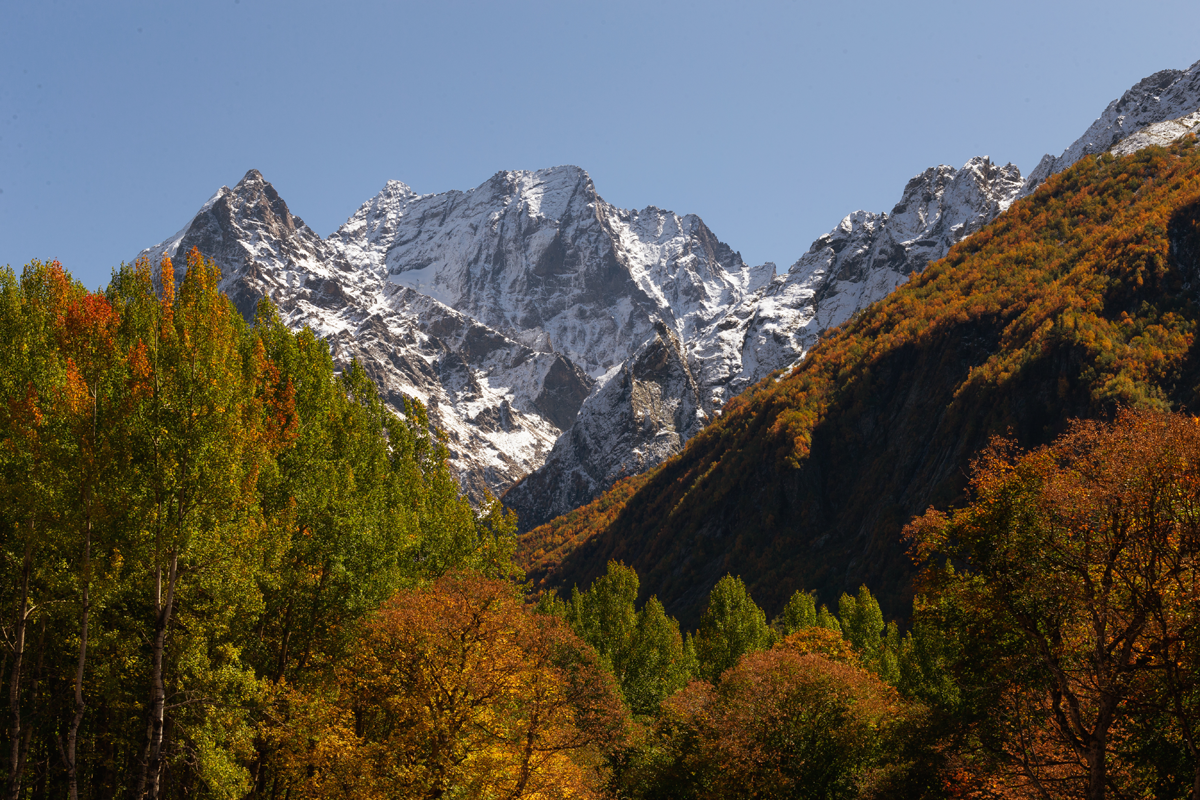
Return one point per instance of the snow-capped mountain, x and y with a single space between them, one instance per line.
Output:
497 307
864 258
555 336
772 327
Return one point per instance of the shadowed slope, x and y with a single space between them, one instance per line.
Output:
1080 299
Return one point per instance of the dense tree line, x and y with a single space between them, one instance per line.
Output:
229 571
197 516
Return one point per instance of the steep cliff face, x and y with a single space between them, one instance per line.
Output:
262 248
640 414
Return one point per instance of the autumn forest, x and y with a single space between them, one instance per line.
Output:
229 570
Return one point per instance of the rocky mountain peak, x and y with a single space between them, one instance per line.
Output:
537 321
254 203
1166 95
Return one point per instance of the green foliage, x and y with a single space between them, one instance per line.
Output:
731 626
643 648
658 663
927 654
605 615
862 624
193 512
550 604
799 613
827 619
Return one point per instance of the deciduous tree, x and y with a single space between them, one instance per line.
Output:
1079 584
456 689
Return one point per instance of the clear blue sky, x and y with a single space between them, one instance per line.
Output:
770 120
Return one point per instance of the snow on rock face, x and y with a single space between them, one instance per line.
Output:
1164 96
639 415
541 257
554 336
1159 134
778 319
499 404
860 261
497 307
262 248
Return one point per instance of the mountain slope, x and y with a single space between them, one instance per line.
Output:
859 262
862 260
1081 298
636 419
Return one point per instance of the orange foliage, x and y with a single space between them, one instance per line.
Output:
1085 554
779 724
821 642
456 687
1081 284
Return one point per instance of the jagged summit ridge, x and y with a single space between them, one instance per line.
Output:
535 319
861 260
1164 96
541 257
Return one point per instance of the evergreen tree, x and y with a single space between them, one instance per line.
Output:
643 648
878 645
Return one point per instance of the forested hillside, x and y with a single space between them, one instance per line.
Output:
1080 300
229 571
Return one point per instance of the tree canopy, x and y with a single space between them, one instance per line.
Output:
194 511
